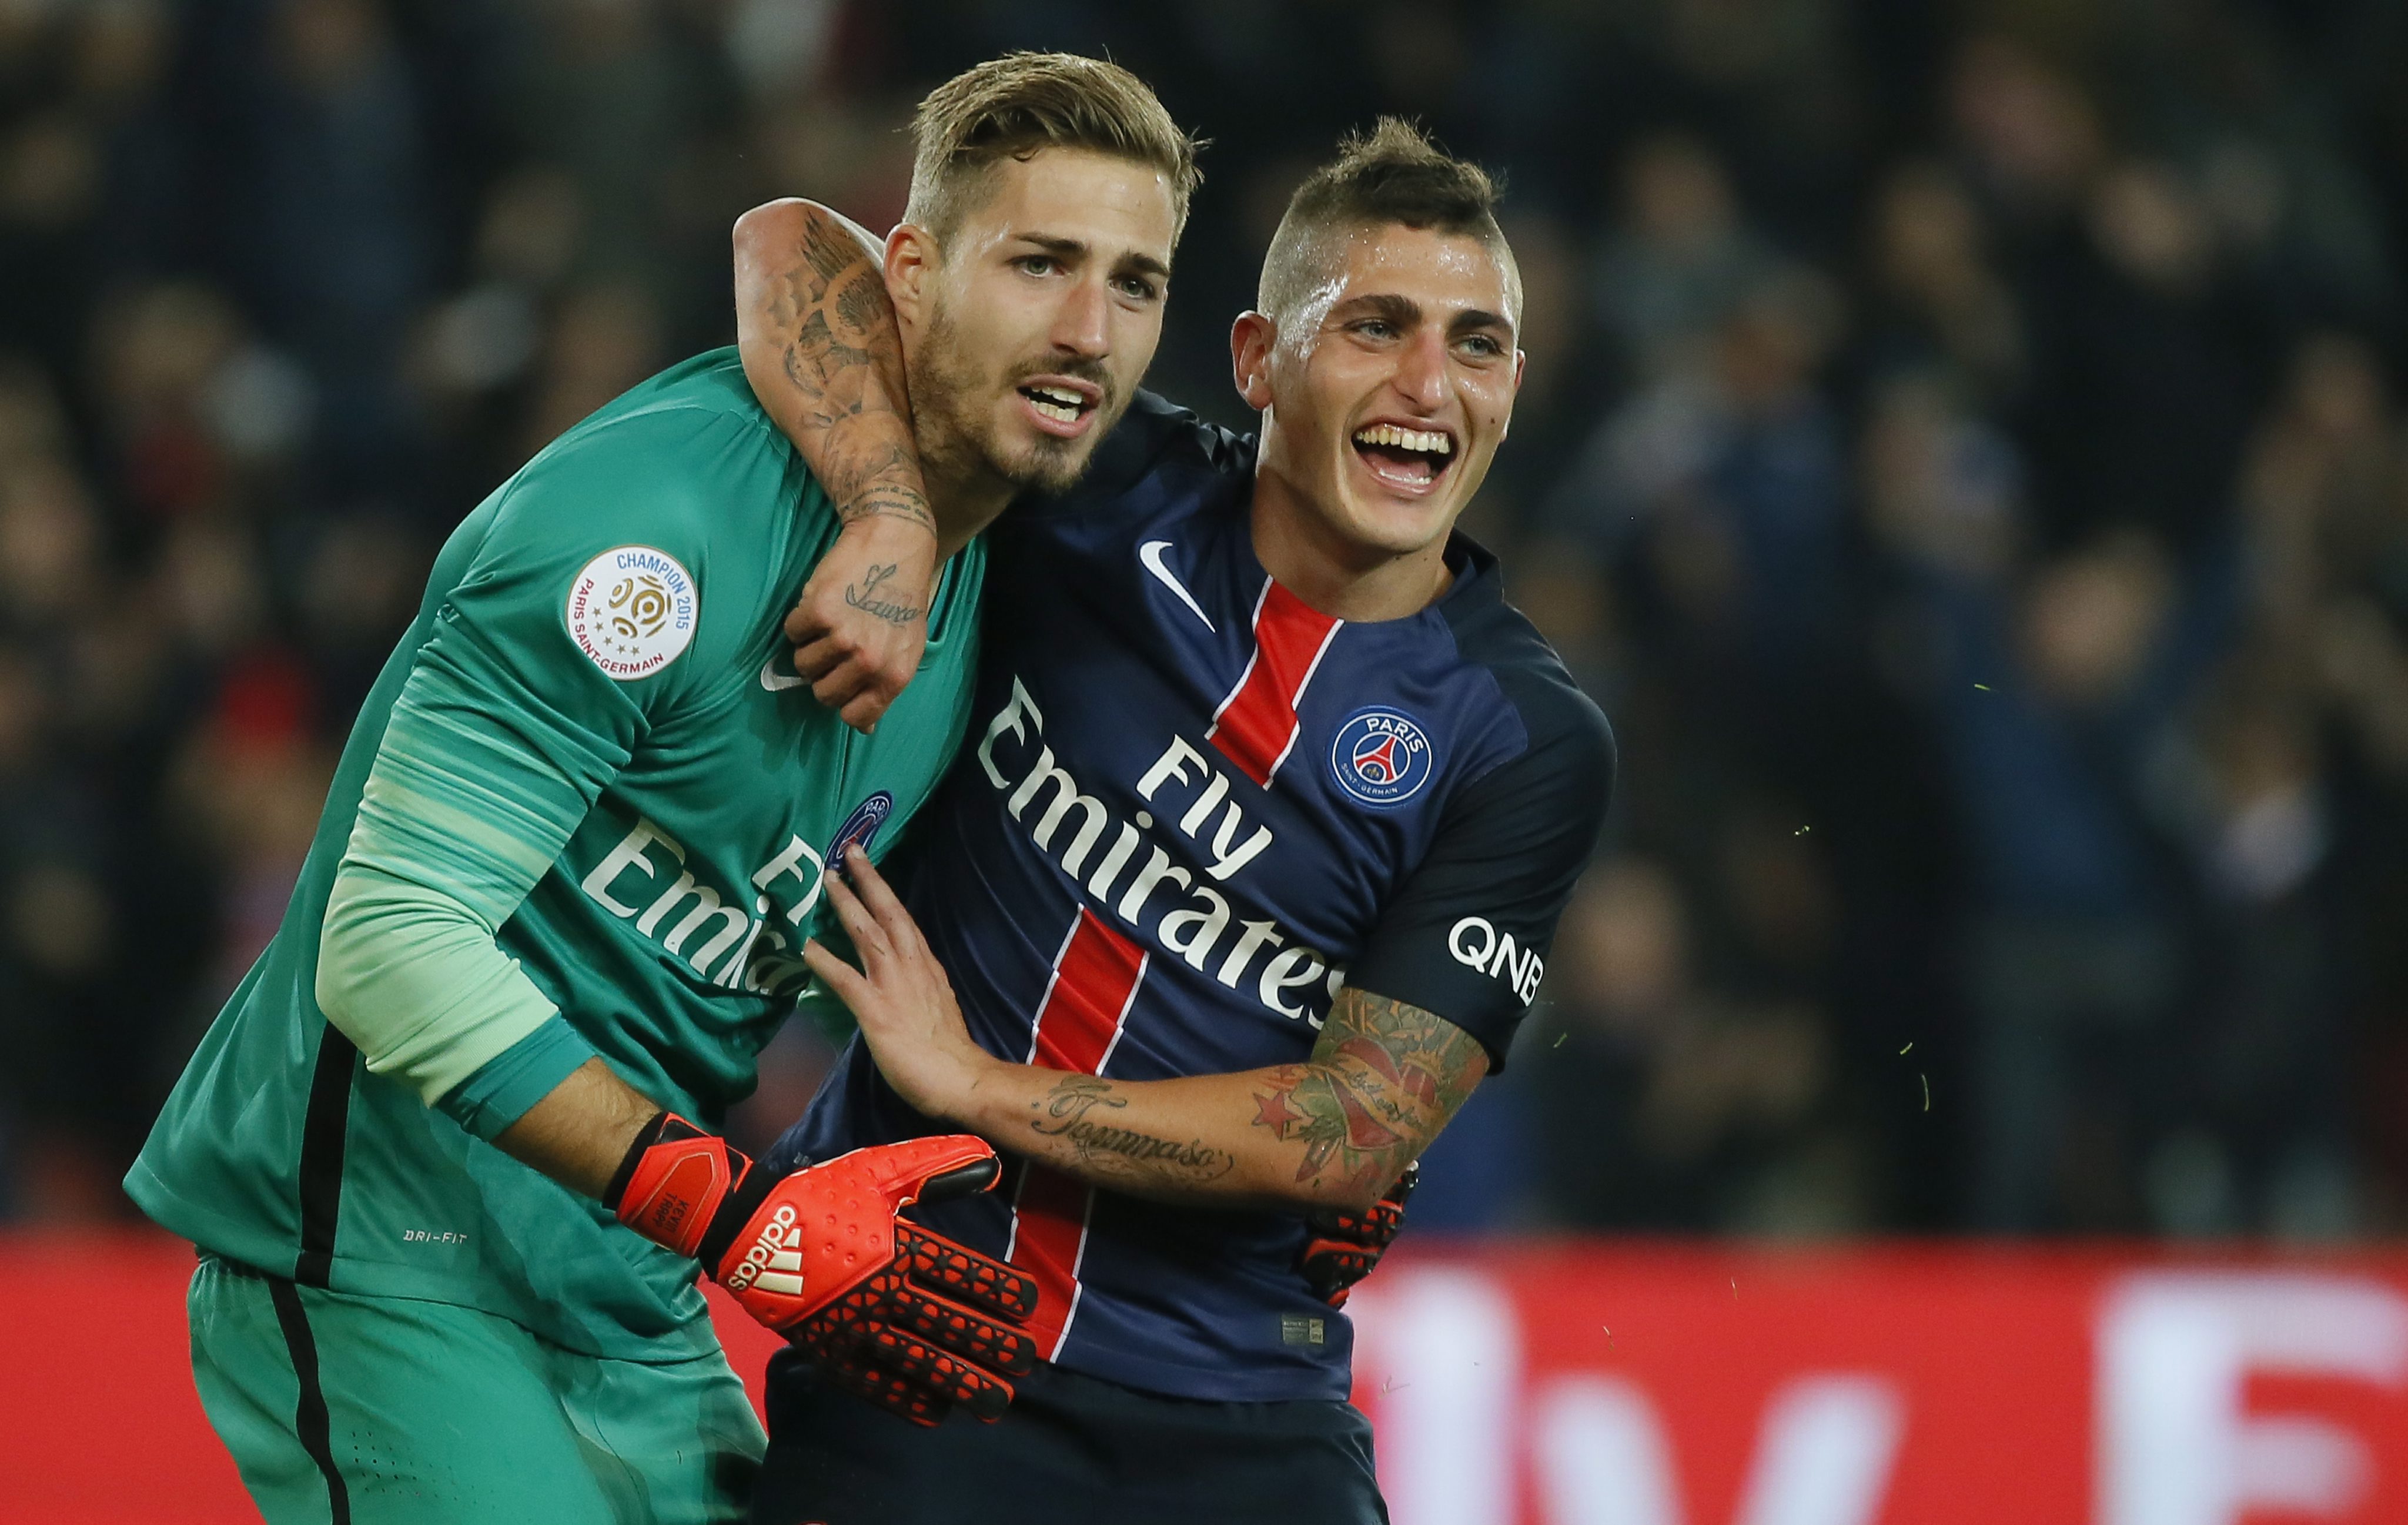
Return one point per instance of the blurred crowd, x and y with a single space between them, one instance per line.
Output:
1964 448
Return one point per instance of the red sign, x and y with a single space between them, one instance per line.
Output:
1578 1384
1673 1387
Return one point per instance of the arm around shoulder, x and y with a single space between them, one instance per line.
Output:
816 330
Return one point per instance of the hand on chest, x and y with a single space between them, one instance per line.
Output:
710 846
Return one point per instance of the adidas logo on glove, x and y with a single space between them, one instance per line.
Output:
693 1193
775 1261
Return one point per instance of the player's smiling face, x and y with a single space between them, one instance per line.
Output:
1030 334
1390 387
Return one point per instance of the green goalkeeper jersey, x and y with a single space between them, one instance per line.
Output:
592 738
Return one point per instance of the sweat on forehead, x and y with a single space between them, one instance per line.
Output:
1391 177
1305 276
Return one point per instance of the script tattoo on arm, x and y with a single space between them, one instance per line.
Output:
834 328
1384 1079
1133 1158
863 595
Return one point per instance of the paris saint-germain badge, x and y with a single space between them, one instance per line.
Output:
1380 756
860 827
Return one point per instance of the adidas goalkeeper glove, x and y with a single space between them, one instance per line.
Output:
1345 1246
909 1320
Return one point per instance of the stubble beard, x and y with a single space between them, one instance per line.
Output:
954 424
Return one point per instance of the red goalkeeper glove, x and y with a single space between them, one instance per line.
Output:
1344 1247
909 1320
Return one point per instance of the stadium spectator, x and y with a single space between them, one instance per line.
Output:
1874 355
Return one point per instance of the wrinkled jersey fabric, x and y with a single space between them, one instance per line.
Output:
591 747
1189 810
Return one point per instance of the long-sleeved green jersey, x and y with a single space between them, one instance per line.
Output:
584 811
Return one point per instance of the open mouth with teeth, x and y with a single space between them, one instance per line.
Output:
1412 458
1058 403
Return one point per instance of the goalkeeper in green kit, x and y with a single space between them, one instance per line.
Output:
447 1153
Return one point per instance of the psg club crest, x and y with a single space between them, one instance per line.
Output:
1380 756
860 827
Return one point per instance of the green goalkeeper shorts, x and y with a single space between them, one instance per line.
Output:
376 1410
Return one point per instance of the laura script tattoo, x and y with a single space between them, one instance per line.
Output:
1384 1077
863 595
1122 1151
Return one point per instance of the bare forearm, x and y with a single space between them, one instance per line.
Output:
1181 1141
1244 1139
1334 1132
816 331
579 1132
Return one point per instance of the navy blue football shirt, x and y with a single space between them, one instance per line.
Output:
1189 810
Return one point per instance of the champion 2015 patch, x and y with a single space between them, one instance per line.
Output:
1380 756
632 610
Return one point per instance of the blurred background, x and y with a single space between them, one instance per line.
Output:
1964 451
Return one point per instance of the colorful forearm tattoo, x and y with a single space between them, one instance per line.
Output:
1383 1080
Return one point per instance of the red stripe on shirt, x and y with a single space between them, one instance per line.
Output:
1094 982
1256 725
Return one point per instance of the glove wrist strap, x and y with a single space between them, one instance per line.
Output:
736 1210
683 1188
650 1134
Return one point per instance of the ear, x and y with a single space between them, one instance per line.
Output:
1521 361
911 259
1251 338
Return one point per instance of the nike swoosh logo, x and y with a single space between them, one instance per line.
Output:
773 680
1150 553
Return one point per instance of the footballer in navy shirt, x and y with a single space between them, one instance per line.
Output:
1243 881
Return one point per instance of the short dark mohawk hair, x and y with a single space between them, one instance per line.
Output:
1393 174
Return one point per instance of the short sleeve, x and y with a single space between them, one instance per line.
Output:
508 1086
1468 936
592 606
596 583
556 648
508 728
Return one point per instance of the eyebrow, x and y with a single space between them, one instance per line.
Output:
1472 319
1135 262
1400 311
1404 313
